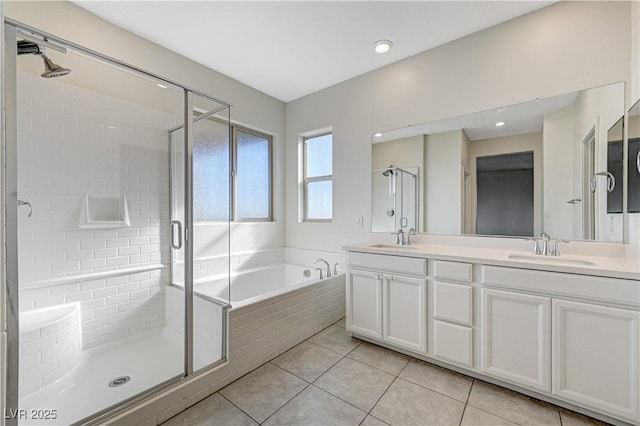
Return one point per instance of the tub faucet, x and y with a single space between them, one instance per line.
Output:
326 263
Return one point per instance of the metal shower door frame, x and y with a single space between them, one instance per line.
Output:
10 222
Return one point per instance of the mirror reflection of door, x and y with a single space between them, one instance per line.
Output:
504 185
588 171
634 176
633 165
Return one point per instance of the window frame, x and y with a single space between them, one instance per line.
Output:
234 173
306 180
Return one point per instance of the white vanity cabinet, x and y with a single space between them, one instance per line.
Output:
452 295
386 299
595 357
404 313
571 336
516 338
364 303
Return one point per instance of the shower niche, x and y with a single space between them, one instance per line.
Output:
104 211
395 199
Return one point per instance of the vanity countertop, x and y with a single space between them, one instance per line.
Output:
613 267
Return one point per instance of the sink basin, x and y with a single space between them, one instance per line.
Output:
392 247
558 260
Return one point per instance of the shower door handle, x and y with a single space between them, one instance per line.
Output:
175 223
638 161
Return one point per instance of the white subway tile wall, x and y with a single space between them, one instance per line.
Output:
50 348
73 142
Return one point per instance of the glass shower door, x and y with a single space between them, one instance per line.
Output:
200 170
93 230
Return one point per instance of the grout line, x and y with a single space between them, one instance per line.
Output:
285 404
336 396
371 366
383 393
560 415
342 355
369 415
467 401
433 390
320 346
483 410
232 403
328 369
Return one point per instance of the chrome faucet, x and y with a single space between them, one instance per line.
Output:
400 241
326 263
411 232
554 249
545 245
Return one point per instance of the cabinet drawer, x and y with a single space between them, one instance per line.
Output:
407 265
453 302
602 289
453 270
453 343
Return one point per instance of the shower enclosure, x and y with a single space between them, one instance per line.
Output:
117 200
395 199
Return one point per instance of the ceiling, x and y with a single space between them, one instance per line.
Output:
288 49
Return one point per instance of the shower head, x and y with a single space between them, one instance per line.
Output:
51 69
388 172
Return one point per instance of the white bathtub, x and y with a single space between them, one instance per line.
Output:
257 284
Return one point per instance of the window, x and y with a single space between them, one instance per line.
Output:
252 171
251 186
318 178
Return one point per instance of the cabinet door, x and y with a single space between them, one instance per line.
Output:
364 303
404 312
595 357
516 338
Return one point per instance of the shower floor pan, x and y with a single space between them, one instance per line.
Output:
148 359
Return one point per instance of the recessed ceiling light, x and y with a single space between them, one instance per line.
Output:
500 123
382 46
377 135
162 86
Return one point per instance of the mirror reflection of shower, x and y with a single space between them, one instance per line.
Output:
395 195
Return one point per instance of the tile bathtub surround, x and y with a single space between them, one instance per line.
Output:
73 142
312 384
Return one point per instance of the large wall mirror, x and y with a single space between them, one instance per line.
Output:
550 165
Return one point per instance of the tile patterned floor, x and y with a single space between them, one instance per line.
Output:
334 379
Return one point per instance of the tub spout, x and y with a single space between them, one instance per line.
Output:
326 263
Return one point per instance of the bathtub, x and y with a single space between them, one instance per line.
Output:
257 284
272 308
